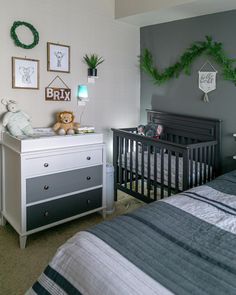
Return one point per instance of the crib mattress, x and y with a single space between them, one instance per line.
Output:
197 167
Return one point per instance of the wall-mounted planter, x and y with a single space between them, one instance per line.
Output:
92 72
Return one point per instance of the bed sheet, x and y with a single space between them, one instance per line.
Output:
184 244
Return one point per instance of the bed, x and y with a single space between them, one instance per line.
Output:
184 244
186 155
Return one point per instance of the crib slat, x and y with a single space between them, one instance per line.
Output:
115 163
205 164
131 164
176 172
169 172
136 166
186 169
162 173
200 166
126 152
142 170
155 173
208 163
213 162
120 160
213 166
196 166
148 172
191 167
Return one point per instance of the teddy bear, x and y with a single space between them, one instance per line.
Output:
16 121
65 123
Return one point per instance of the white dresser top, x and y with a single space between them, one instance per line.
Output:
31 144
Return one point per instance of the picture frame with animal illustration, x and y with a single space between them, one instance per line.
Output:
25 73
58 57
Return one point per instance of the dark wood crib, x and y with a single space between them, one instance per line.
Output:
186 155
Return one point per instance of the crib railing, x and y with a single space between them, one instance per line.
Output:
149 169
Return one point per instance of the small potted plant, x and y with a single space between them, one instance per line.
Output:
92 61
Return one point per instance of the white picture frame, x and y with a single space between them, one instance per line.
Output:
25 73
58 58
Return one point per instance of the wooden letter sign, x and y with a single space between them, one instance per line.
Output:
57 94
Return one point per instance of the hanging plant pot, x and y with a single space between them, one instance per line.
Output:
92 72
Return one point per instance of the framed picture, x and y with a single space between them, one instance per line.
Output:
25 73
58 57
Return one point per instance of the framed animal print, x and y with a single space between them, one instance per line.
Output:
25 73
58 58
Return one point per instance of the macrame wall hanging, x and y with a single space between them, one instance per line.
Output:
207 80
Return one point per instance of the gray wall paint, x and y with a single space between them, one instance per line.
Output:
167 42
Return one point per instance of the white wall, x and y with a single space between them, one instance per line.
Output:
87 26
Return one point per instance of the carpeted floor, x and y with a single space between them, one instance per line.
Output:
20 268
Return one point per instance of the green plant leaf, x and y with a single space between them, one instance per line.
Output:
93 60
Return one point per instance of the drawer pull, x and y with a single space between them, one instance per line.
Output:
88 177
46 165
46 213
46 187
88 202
88 158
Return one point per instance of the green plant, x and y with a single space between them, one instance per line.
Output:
210 48
93 60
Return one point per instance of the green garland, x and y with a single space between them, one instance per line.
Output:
208 47
16 39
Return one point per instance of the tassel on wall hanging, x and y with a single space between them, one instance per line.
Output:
207 80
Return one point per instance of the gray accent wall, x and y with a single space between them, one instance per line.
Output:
167 43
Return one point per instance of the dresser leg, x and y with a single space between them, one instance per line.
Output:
104 214
22 240
3 220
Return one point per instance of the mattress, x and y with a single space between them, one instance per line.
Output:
184 244
196 168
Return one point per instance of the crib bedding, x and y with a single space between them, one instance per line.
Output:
184 244
197 167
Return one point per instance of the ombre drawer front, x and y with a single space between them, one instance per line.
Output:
48 186
37 165
52 211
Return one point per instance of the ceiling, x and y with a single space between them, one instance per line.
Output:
177 12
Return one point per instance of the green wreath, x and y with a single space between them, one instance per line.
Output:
16 39
208 47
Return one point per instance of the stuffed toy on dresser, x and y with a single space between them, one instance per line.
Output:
65 123
16 121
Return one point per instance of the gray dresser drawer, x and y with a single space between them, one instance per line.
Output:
44 187
52 211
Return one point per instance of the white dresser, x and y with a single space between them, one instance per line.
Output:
50 180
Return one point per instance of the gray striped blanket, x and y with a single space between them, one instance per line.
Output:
183 245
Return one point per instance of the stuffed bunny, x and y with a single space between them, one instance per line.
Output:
16 121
